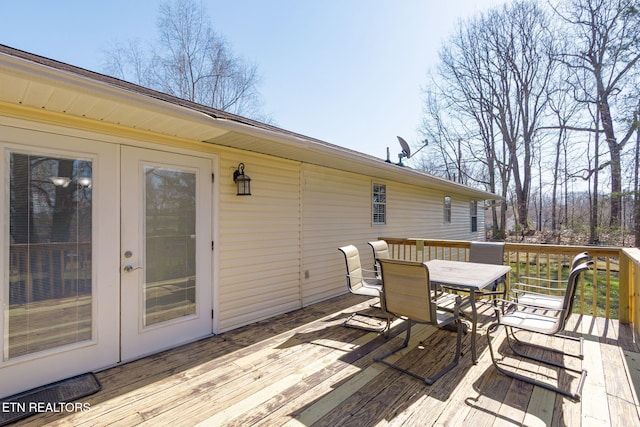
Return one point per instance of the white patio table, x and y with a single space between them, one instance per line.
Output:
467 277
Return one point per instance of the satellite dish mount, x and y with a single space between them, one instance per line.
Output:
406 150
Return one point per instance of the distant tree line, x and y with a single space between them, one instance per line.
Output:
540 103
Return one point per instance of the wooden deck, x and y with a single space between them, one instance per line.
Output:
304 369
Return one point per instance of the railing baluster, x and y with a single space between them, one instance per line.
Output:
544 261
608 289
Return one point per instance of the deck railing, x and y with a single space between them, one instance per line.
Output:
610 290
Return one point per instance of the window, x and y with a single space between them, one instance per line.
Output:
447 209
170 244
379 206
474 215
50 293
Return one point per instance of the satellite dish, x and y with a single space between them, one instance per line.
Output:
406 151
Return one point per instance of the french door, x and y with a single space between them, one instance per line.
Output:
106 254
165 257
59 294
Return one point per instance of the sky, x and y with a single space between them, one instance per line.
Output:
348 72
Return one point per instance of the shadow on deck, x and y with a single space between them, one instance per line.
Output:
304 368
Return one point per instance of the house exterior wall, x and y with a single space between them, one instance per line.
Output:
259 240
337 211
276 250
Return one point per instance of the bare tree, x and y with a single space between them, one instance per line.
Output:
190 61
564 113
607 50
461 134
525 51
636 178
496 69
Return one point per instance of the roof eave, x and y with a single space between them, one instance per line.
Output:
215 126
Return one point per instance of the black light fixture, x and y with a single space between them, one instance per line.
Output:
242 181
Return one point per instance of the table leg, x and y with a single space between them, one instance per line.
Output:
474 326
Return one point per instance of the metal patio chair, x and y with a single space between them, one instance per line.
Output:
407 294
489 253
543 292
380 250
548 293
544 321
365 283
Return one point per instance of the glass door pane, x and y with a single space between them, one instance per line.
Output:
170 244
165 278
50 253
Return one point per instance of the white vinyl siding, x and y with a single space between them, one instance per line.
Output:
336 207
277 250
336 212
259 241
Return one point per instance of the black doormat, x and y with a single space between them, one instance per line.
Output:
54 397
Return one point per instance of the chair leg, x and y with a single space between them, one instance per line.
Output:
426 380
579 340
348 323
573 395
384 328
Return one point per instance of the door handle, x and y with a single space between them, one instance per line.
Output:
130 268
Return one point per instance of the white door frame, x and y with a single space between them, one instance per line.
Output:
32 370
103 350
138 339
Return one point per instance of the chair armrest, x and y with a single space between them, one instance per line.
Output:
519 306
485 293
520 287
455 311
542 279
450 302
454 291
517 294
363 277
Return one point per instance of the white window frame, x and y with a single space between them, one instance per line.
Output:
378 204
473 213
447 209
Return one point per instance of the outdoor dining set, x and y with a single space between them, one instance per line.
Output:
446 294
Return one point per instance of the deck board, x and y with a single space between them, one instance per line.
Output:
304 368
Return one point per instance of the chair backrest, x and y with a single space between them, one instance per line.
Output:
406 290
579 259
380 250
487 252
354 268
572 286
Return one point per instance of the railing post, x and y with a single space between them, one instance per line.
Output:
629 286
624 289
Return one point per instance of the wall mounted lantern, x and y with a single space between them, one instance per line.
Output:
242 181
